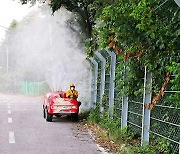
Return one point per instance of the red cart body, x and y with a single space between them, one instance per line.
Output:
56 103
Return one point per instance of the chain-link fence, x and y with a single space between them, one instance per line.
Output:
10 83
34 88
160 123
165 118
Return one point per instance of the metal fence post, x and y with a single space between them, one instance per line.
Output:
94 83
112 78
124 113
146 112
26 87
102 88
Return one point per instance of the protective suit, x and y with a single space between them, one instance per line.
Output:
72 93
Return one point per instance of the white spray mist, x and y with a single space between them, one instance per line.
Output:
44 45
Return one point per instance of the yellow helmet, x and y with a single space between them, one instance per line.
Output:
72 85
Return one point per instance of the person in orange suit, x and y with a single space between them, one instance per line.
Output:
72 93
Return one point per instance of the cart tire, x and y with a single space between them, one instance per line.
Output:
58 116
44 113
48 116
69 117
74 117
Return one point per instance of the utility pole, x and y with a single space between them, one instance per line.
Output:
7 60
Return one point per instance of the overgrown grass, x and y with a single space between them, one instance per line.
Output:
125 140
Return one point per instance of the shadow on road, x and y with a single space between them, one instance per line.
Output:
63 119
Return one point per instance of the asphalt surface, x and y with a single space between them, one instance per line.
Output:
23 130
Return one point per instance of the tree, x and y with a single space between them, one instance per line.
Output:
79 7
149 26
145 32
86 10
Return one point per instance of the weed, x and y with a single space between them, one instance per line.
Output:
125 140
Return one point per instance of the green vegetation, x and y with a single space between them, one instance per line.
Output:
110 128
141 33
13 24
175 82
86 11
146 29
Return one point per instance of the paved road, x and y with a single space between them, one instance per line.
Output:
24 131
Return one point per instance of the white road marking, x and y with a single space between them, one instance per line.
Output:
11 137
9 111
9 120
9 107
8 104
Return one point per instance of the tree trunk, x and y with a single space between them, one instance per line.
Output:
88 23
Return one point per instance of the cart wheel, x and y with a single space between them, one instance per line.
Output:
48 116
74 117
58 116
44 113
68 116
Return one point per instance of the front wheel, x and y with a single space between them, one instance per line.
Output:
48 117
44 113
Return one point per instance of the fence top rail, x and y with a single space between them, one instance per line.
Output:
166 122
172 91
135 113
118 99
131 101
102 59
164 137
169 107
134 124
